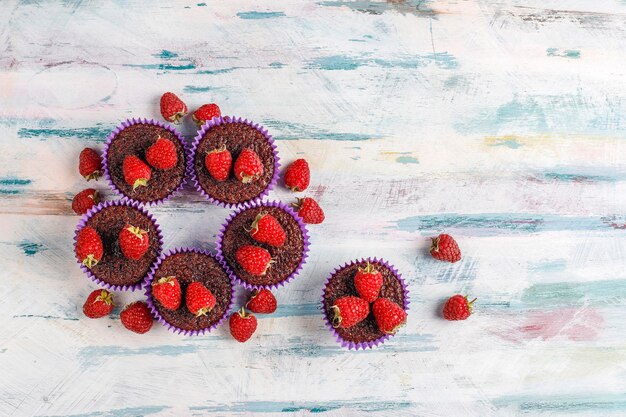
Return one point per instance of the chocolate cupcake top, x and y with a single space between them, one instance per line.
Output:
287 260
134 137
235 135
114 270
341 284
190 265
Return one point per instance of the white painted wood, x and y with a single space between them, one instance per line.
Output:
501 122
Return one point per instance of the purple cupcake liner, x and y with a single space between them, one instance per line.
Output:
191 172
155 312
380 340
83 222
247 206
115 132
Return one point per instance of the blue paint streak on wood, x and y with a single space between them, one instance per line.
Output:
295 131
567 53
297 346
14 181
121 412
90 353
164 67
407 160
165 54
568 404
18 121
13 185
277 65
31 248
492 224
296 310
544 267
201 4
416 7
97 133
44 316
168 64
548 114
259 15
491 121
217 71
190 89
292 406
346 63
563 294
578 178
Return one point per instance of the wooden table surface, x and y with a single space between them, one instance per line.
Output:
500 122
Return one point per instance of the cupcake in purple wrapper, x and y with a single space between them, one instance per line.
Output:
245 228
234 135
187 266
166 160
366 333
115 271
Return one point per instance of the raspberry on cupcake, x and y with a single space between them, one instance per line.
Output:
189 291
264 245
359 323
145 160
117 243
233 161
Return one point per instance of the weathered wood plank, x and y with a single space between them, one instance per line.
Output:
499 122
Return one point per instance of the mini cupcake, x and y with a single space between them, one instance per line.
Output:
366 333
115 270
188 266
233 135
273 229
157 149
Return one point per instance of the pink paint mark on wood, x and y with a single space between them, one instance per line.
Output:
575 324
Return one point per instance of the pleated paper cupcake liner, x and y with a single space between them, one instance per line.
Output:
155 311
305 249
377 342
105 164
193 177
96 209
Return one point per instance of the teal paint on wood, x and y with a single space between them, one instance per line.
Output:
217 71
293 131
259 15
163 67
567 53
569 404
416 7
491 224
97 133
291 407
560 294
347 63
407 160
121 412
31 248
13 185
165 54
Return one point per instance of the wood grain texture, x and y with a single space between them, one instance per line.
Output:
501 122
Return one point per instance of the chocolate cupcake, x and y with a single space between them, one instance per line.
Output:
192 265
287 259
115 271
365 334
235 134
134 137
